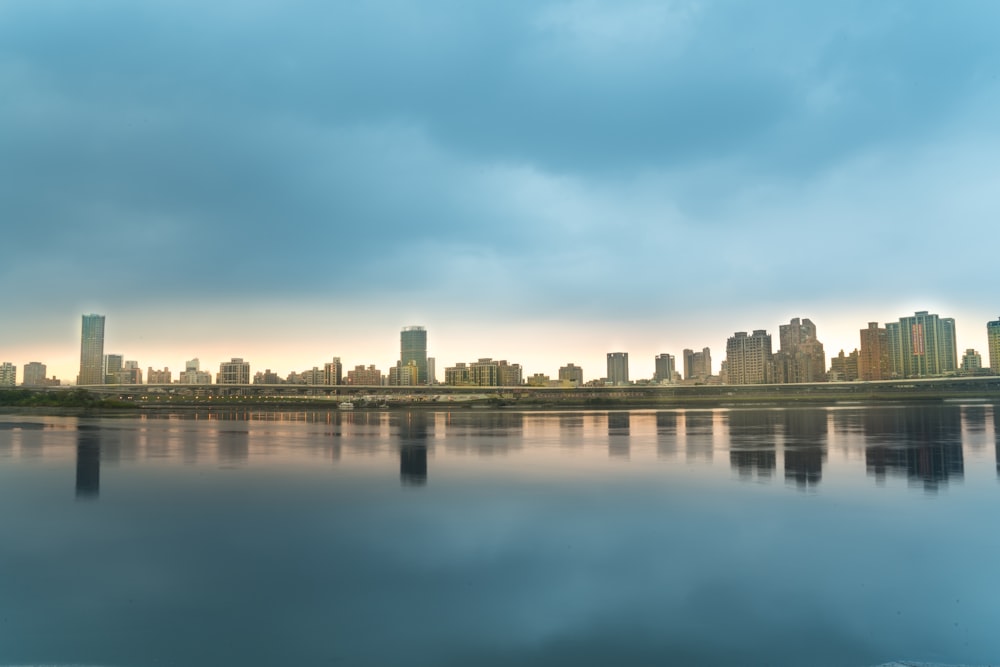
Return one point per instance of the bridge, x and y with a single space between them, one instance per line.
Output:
976 387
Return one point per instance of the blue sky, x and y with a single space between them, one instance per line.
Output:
538 181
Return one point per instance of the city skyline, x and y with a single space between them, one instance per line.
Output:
544 181
92 332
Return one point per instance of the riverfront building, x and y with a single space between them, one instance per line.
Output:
922 346
972 362
571 374
618 368
333 372
34 374
800 357
873 358
697 365
993 345
8 374
748 358
193 374
235 371
664 364
844 368
92 350
413 347
368 377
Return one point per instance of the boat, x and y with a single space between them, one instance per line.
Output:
345 405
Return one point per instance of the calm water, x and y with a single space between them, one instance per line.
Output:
842 536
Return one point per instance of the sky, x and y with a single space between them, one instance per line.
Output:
543 182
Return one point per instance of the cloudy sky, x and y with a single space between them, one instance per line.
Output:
538 181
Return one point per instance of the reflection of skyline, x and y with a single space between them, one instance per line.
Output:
666 434
619 434
923 444
996 436
412 430
88 461
752 442
804 437
699 428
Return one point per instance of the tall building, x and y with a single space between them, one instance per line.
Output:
617 368
972 362
922 346
844 368
333 372
8 374
431 370
993 345
92 350
697 365
664 364
154 376
873 358
193 374
369 377
113 365
235 371
572 374
748 358
413 347
800 358
34 374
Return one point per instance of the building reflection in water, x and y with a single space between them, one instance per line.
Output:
484 432
570 430
666 434
805 439
411 428
88 462
752 435
619 428
233 445
699 427
996 435
924 444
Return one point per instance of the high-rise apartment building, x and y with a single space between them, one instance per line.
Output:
748 358
431 370
844 368
193 374
664 364
697 365
113 365
333 372
617 368
34 374
572 374
92 350
8 374
972 362
801 357
154 376
235 371
413 347
873 358
369 377
993 345
922 346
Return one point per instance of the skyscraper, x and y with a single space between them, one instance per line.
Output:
618 368
697 365
413 347
922 346
34 374
993 344
664 364
748 358
8 374
801 357
92 350
873 360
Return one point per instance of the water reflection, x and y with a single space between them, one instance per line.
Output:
804 434
88 462
233 446
666 434
412 430
699 427
619 427
752 435
922 445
